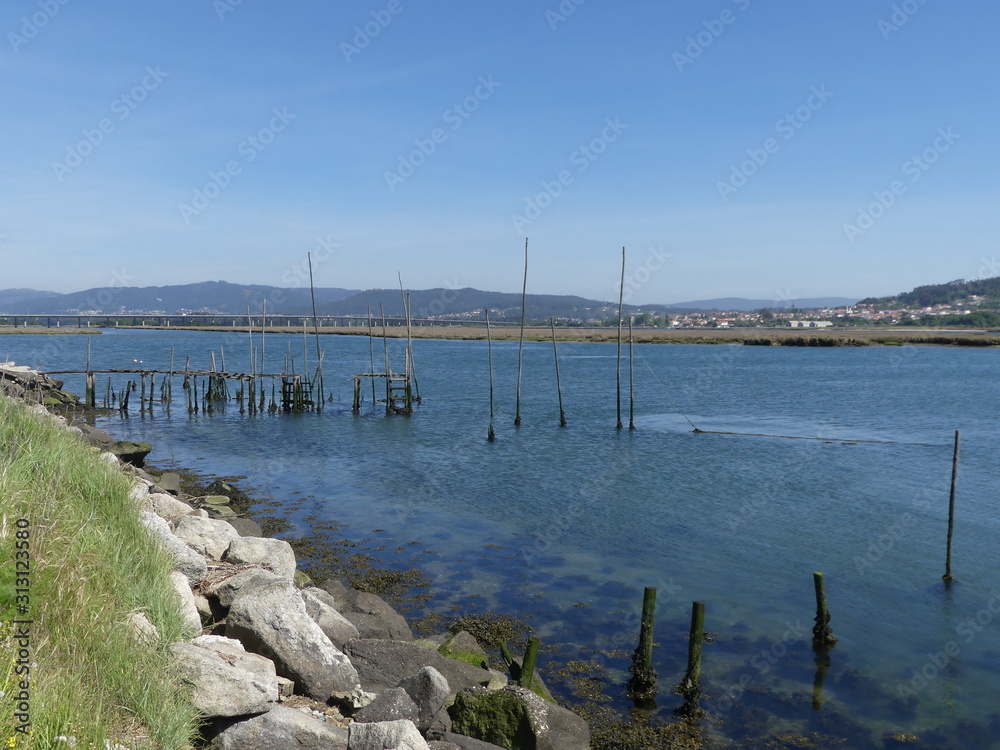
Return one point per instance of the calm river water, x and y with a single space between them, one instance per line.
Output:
564 527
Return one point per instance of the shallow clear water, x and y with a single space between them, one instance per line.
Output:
591 515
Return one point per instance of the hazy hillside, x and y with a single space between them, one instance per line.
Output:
218 296
739 304
9 297
941 294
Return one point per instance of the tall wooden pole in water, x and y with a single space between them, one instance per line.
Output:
823 636
631 379
555 351
388 371
642 683
317 400
490 435
692 679
371 351
520 348
618 380
951 508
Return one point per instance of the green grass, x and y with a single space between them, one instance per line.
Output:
92 565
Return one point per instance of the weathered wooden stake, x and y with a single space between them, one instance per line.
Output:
490 435
642 683
618 380
319 351
388 371
951 508
692 679
357 395
520 348
822 633
555 352
91 394
631 379
371 351
528 664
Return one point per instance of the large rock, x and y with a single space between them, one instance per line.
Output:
281 728
229 588
246 526
517 718
189 609
461 742
226 680
186 560
95 436
271 620
429 690
206 535
167 506
275 553
389 705
383 735
464 646
338 628
371 615
383 664
131 452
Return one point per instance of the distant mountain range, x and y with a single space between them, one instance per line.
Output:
234 299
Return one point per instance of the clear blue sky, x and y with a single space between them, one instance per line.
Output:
730 145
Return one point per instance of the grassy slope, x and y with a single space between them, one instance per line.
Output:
92 565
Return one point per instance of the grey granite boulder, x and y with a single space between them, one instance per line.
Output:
228 588
389 705
516 717
276 554
281 728
383 735
338 628
189 609
271 620
452 741
429 690
207 536
226 680
246 526
371 615
186 560
383 664
167 506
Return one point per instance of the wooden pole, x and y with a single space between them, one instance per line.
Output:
555 352
371 351
520 348
413 369
692 679
631 379
490 435
822 633
388 371
319 351
642 684
951 508
528 664
263 329
618 381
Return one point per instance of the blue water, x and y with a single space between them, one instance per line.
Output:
547 519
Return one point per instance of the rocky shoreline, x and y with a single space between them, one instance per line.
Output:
274 661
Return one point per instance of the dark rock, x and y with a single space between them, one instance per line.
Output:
95 436
131 452
170 482
517 718
429 690
466 743
371 615
389 705
281 728
246 527
384 664
271 620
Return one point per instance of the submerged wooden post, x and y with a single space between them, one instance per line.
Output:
528 665
520 348
555 352
822 633
618 379
490 435
631 379
692 679
91 394
357 395
951 508
642 683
